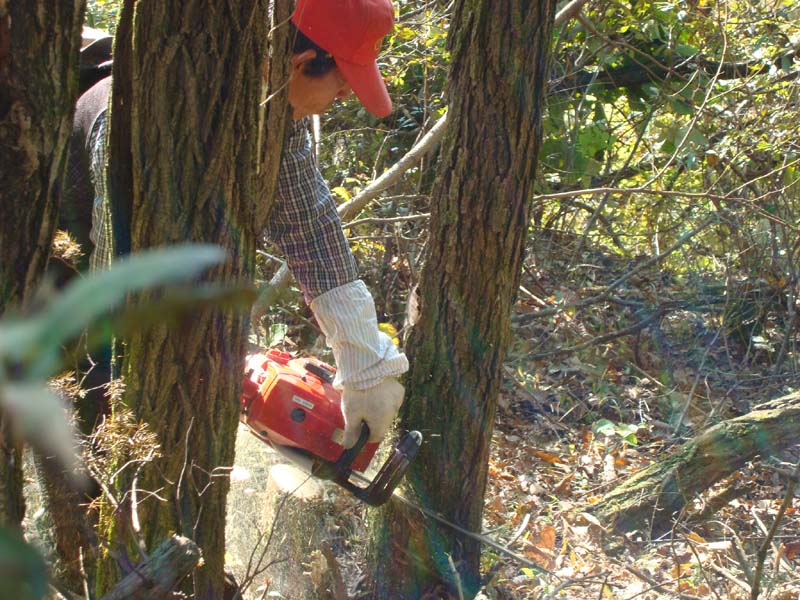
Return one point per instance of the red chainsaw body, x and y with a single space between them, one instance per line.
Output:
291 402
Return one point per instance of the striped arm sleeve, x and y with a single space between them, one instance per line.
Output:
364 354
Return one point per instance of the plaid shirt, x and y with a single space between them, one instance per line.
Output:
304 223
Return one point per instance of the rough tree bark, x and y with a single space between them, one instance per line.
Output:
39 43
187 162
479 217
650 498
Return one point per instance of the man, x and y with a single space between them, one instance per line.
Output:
335 51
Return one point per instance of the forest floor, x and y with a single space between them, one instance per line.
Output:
579 412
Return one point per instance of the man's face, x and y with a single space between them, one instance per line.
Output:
314 95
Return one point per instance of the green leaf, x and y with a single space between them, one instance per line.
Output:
680 108
342 192
277 333
23 573
37 414
83 301
604 427
631 439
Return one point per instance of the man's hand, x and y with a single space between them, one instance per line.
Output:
376 406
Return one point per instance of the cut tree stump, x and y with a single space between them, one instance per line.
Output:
303 513
157 577
649 499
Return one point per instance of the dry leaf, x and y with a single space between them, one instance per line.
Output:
593 520
563 487
791 550
547 538
696 538
547 456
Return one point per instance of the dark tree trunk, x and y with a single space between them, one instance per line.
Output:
188 163
479 221
73 532
39 43
649 499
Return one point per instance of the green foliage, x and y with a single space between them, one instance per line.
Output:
625 431
23 573
103 14
30 352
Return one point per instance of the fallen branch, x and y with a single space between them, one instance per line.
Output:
157 577
649 498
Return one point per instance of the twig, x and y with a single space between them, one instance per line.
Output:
661 587
761 555
178 506
741 558
730 577
750 203
790 475
389 177
137 530
690 395
257 569
601 339
339 589
456 577
84 578
603 587
604 295
702 570
519 530
383 221
573 582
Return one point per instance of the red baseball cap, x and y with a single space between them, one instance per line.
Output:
352 32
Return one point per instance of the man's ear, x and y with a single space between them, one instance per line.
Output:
299 60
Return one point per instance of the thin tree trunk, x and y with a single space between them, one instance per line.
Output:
39 43
185 112
650 498
479 217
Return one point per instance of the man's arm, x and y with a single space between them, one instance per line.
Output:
305 226
304 223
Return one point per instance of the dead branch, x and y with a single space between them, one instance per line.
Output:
155 578
651 497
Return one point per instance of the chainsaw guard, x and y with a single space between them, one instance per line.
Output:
389 475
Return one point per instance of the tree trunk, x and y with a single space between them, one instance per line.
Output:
651 497
185 164
479 219
73 533
39 43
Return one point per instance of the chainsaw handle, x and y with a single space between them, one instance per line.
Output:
350 454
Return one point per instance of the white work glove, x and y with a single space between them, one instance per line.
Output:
367 361
376 406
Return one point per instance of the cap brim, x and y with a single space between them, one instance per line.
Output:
367 83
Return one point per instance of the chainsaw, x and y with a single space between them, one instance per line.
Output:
290 403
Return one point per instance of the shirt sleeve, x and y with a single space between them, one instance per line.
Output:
101 233
304 223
